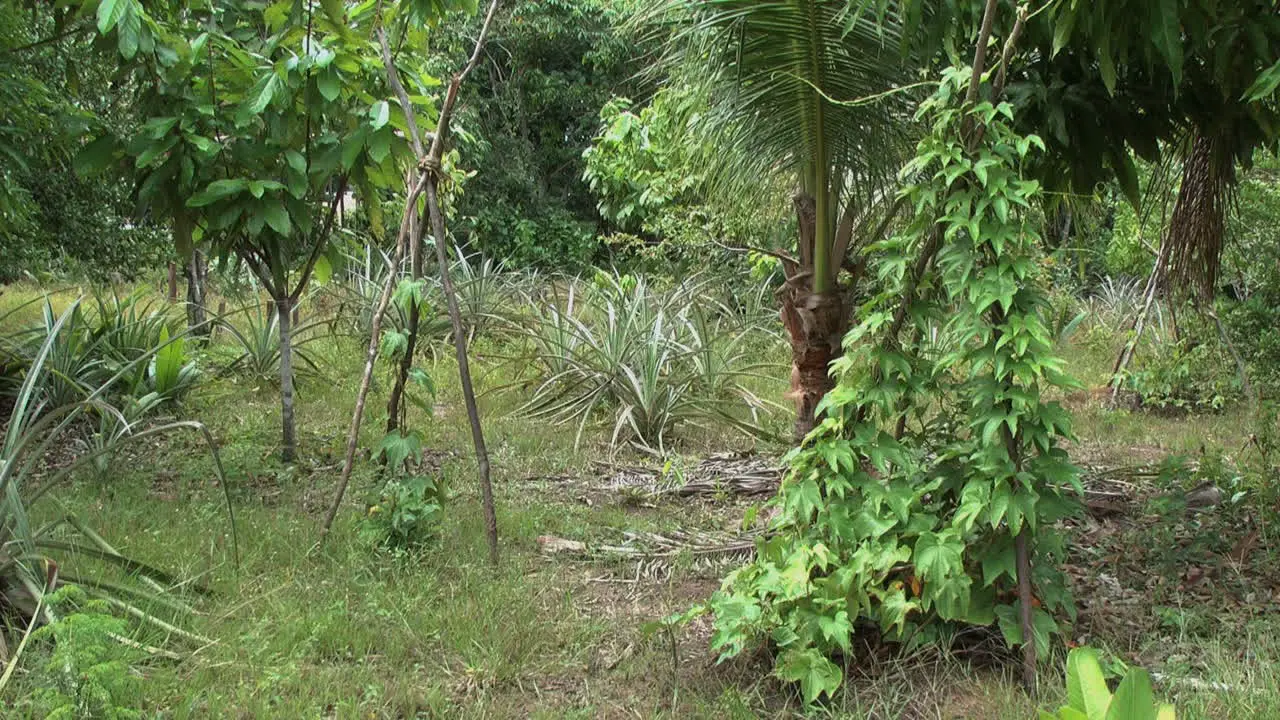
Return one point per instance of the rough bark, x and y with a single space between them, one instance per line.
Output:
815 324
288 442
173 281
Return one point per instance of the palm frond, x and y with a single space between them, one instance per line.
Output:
789 84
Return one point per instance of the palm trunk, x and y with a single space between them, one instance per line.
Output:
815 320
815 323
288 443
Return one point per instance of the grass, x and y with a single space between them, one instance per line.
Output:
348 632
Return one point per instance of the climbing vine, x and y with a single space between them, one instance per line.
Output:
938 457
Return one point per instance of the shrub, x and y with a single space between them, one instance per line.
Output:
88 673
407 515
650 359
1182 376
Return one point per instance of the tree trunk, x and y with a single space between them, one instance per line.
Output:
173 281
1022 561
395 403
196 271
288 443
815 323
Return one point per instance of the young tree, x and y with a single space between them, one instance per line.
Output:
427 182
792 87
258 120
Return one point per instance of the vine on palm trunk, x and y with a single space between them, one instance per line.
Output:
937 449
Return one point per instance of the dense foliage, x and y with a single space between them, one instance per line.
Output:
915 529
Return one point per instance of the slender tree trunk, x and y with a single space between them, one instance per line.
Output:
288 442
395 403
173 281
1022 559
196 271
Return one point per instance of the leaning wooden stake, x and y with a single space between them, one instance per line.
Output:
431 163
371 356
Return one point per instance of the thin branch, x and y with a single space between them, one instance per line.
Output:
1007 55
752 248
393 78
321 240
45 41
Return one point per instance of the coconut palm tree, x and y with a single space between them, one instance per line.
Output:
802 95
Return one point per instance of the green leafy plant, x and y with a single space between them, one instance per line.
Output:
1089 698
37 426
171 373
257 345
1184 377
88 672
650 359
406 516
935 476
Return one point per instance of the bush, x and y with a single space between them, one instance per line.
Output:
650 359
1184 376
88 673
406 516
1254 325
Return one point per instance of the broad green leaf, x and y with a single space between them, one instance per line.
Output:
1106 63
129 29
815 673
1133 699
336 12
277 217
264 92
217 190
1265 84
1166 34
1062 29
109 13
96 156
937 556
322 271
1086 687
329 85
999 561
379 114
